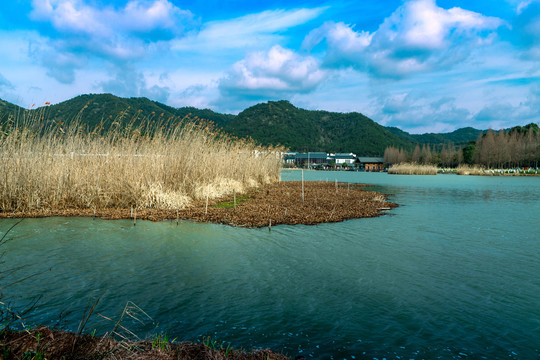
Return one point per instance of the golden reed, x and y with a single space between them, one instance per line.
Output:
412 169
161 166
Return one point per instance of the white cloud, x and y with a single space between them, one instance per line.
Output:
273 74
82 33
344 45
75 16
259 30
418 36
523 5
422 24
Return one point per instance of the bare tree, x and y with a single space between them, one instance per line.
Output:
416 154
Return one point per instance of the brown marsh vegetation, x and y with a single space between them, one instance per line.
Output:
160 165
413 169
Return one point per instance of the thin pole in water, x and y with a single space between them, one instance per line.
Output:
302 186
336 186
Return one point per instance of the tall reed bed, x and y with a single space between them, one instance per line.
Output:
161 166
472 170
412 169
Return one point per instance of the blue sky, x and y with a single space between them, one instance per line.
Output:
420 65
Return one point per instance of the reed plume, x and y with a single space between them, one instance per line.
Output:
161 165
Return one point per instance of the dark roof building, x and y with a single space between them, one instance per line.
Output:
371 163
312 158
371 160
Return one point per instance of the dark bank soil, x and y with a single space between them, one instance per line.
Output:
279 203
44 343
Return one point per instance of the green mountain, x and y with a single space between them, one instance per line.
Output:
8 109
93 109
459 137
279 122
271 123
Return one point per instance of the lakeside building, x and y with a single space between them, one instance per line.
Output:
371 163
344 158
311 159
322 160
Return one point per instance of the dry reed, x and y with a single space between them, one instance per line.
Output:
160 166
471 170
412 169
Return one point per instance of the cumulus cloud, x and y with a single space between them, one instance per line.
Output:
157 19
419 36
277 73
80 31
344 45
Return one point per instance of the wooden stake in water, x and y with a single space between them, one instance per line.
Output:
131 212
206 209
134 218
270 225
302 186
176 217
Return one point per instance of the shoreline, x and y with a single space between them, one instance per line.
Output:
274 204
46 343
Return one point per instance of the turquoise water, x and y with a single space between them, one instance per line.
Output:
452 273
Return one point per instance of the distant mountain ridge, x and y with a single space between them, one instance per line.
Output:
93 109
460 136
279 122
270 123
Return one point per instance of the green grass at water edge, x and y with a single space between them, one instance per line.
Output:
161 341
230 203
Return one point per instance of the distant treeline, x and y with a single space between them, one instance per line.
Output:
516 147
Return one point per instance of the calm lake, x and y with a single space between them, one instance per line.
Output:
453 272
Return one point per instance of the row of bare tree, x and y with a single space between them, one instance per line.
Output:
508 149
503 149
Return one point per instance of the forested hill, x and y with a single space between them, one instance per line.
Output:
274 122
93 109
459 137
306 130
